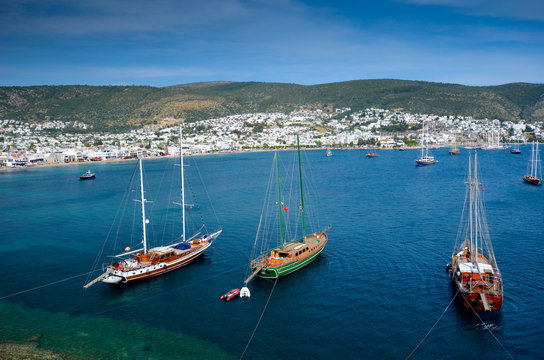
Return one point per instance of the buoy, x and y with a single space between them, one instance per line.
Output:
244 292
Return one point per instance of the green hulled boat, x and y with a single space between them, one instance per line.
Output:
292 255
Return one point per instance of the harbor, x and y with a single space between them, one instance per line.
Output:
377 288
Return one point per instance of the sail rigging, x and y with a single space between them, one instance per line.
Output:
293 252
149 262
473 267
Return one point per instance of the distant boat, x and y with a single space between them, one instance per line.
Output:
473 268
535 176
290 255
329 152
96 158
87 176
371 155
145 263
516 149
454 150
426 158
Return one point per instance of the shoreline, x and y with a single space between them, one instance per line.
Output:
47 165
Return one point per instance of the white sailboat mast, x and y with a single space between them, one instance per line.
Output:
476 215
423 143
471 201
182 182
143 207
538 173
533 159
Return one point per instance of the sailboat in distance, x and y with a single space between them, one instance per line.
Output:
516 150
293 253
426 158
454 150
473 268
535 175
147 262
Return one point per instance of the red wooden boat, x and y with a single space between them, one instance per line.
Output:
473 268
230 295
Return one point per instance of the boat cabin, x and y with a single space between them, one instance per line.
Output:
470 272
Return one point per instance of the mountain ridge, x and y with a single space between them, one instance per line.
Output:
118 107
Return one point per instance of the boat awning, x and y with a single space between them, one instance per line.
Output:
182 246
472 268
160 250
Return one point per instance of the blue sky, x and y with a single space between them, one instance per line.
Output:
168 42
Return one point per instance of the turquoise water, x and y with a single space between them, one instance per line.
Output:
378 287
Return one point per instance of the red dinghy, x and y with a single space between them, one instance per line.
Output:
230 295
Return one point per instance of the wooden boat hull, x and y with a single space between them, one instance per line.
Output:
476 285
114 275
531 180
474 300
274 272
425 163
155 270
454 152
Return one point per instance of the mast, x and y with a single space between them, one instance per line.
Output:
423 142
471 200
476 207
279 198
533 172
182 182
301 194
537 162
143 207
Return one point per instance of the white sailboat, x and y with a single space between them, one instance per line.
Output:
535 175
426 158
145 263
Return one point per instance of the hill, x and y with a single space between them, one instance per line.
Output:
115 108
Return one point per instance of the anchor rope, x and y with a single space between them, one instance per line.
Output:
260 318
105 311
483 323
431 329
46 285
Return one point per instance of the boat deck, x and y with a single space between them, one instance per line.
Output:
293 251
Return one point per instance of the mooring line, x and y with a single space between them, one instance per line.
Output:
46 285
483 323
260 318
83 317
431 329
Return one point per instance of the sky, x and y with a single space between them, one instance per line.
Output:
169 42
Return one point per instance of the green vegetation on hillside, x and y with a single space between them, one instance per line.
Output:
116 108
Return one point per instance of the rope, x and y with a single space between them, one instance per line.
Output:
83 317
260 318
431 329
491 332
122 209
45 285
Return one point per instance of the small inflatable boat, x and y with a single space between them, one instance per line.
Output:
230 295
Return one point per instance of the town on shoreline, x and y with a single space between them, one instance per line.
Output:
58 143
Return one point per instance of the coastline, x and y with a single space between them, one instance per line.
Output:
46 165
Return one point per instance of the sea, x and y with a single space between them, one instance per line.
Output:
379 290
